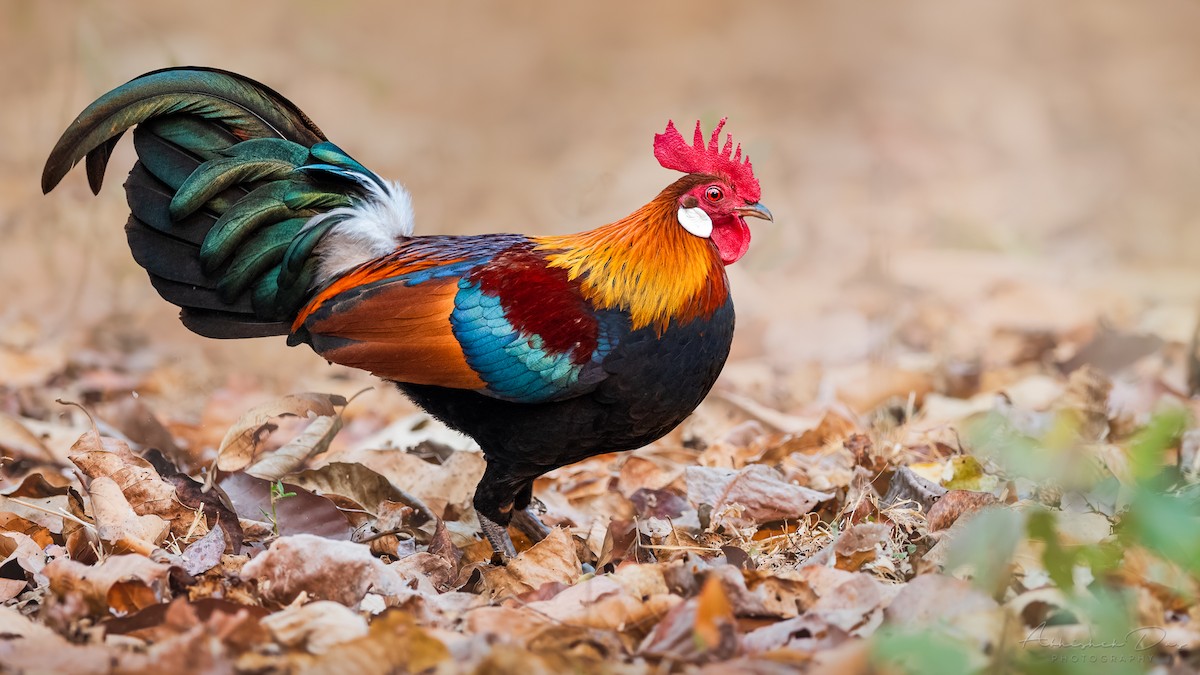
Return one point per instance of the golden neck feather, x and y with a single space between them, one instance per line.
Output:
645 264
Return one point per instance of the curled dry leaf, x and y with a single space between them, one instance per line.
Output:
761 491
552 560
340 571
22 560
191 494
955 504
860 545
426 568
18 442
394 643
366 488
906 485
119 525
37 484
315 627
11 522
700 629
138 582
437 486
312 441
143 488
805 633
607 603
242 443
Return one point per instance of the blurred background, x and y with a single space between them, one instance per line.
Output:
960 187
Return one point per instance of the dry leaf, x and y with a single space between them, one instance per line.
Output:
860 545
955 504
760 490
315 627
143 488
11 522
365 487
551 560
17 442
119 525
393 642
204 553
341 571
92 583
242 443
292 456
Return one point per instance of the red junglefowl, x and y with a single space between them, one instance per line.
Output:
545 350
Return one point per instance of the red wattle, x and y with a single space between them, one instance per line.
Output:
732 239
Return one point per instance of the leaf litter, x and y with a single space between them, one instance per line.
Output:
1031 508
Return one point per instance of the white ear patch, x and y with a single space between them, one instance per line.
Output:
696 221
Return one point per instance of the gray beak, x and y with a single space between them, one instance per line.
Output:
755 210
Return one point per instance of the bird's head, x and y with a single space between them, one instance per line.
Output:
718 194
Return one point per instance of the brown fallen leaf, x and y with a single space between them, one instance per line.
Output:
761 491
303 513
18 442
715 627
193 495
204 553
906 485
617 602
29 647
37 483
438 486
242 444
92 584
806 633
325 569
11 522
549 561
855 606
118 525
860 545
143 488
27 561
955 504
317 434
393 644
698 630
315 627
360 484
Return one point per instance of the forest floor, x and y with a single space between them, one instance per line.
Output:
1036 508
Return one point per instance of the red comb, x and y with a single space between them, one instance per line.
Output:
674 153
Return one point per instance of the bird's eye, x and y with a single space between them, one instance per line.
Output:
714 194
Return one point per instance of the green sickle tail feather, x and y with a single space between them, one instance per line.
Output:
229 173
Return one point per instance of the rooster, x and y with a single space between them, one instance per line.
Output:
545 350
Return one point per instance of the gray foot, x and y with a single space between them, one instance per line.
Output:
497 536
528 523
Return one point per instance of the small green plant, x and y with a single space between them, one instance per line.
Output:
278 493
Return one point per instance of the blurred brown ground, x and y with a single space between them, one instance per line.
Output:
939 171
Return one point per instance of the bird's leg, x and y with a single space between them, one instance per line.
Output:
497 536
494 504
525 518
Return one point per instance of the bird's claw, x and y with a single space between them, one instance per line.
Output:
497 536
530 525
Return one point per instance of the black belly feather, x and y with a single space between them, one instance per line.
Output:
655 382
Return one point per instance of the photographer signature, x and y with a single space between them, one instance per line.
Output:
1146 637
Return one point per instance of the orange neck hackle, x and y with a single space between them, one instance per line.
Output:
645 264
